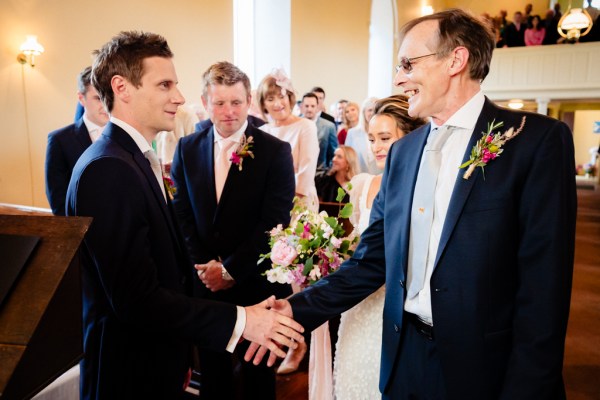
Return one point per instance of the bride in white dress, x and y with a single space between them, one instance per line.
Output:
358 350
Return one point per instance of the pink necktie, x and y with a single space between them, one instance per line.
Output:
222 164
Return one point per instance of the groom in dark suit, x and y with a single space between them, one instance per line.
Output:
478 274
227 200
139 322
66 145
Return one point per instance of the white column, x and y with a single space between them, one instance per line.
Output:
542 103
262 36
381 48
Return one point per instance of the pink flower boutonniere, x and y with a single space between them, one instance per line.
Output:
169 186
489 147
244 150
167 181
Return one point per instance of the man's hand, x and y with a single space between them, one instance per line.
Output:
268 329
258 350
211 275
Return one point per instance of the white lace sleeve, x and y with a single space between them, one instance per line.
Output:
358 183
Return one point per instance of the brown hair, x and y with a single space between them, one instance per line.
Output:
267 87
84 80
224 73
459 28
396 107
124 55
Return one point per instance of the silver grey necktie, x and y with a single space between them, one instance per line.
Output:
423 208
155 164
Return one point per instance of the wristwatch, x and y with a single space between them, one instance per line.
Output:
225 275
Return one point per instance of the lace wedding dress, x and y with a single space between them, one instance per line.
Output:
358 350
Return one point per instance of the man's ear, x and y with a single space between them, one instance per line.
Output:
459 61
204 102
120 87
80 97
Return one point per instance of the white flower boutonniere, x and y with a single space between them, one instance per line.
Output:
489 147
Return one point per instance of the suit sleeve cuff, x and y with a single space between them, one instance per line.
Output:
238 329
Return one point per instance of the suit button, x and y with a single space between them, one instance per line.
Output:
183 280
396 328
402 283
440 290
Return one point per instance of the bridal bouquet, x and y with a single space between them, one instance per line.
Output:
311 247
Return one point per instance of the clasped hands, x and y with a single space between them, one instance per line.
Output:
211 276
269 326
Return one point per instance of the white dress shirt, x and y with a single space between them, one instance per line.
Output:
462 122
94 130
144 146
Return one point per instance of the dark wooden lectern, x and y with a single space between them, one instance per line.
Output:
40 320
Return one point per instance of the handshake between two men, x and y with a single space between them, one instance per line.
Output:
269 326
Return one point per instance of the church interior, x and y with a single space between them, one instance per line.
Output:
319 43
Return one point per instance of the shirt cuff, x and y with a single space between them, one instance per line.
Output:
238 329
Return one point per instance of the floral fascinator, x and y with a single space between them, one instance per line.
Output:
282 80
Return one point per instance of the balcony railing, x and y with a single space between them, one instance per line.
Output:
567 71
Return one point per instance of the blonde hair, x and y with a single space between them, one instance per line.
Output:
362 120
351 159
345 120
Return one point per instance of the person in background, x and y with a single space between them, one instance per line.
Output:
535 33
320 93
66 145
325 130
550 24
210 184
527 15
514 34
357 138
337 109
343 168
358 350
276 97
350 117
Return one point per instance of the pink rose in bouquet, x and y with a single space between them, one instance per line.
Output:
282 253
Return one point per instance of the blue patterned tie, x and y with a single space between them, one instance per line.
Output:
423 208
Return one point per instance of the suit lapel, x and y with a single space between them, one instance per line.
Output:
463 187
206 181
121 137
82 134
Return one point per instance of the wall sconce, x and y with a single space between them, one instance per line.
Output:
426 10
29 49
576 22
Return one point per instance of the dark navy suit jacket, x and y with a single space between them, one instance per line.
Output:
138 320
254 200
500 290
65 145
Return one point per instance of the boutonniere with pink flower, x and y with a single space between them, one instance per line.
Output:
489 147
243 150
170 188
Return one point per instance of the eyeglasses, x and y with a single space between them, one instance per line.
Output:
406 63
